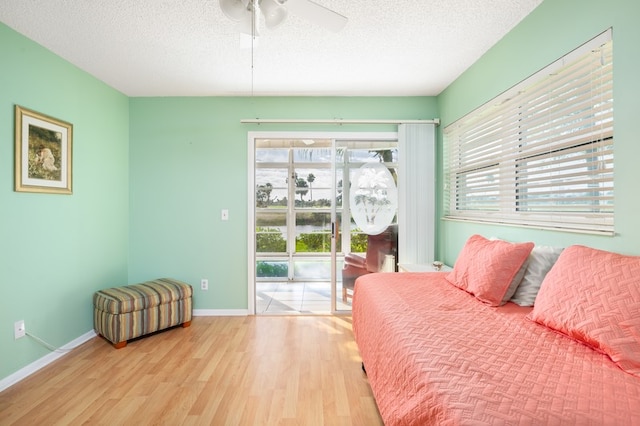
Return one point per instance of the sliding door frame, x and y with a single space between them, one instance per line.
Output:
251 240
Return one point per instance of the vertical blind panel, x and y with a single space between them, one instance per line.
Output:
545 146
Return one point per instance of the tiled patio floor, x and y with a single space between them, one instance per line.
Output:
297 298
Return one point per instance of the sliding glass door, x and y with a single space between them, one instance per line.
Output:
302 219
366 204
293 226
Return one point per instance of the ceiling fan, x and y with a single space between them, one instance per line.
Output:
274 12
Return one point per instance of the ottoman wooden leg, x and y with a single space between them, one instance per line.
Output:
120 345
186 324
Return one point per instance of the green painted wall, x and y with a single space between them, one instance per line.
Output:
152 174
189 161
56 250
550 31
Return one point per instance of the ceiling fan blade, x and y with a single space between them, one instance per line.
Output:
317 14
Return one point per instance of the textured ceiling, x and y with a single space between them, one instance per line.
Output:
190 48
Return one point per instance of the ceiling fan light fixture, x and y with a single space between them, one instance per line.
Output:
250 13
234 9
274 13
249 23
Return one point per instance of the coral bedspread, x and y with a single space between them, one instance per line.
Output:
436 355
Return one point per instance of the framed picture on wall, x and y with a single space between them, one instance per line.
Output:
43 153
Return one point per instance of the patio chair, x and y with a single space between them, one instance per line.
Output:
355 265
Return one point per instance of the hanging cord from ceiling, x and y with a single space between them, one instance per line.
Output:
254 23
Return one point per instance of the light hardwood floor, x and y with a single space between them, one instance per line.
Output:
256 370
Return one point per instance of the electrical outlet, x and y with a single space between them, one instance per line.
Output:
204 284
19 330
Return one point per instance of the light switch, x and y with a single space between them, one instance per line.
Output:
225 214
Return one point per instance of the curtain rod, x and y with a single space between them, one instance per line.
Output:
435 121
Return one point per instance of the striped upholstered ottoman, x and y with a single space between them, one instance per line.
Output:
124 313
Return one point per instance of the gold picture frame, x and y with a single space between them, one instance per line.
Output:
43 153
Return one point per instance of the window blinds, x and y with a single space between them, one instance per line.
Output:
540 154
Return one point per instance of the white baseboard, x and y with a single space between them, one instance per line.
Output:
28 370
220 312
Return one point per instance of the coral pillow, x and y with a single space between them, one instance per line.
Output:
486 268
593 296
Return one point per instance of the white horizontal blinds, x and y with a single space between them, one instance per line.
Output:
540 154
566 166
479 170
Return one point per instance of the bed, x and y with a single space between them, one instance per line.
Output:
435 354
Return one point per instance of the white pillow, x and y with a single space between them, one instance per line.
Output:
541 259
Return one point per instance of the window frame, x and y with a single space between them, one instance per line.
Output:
561 120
